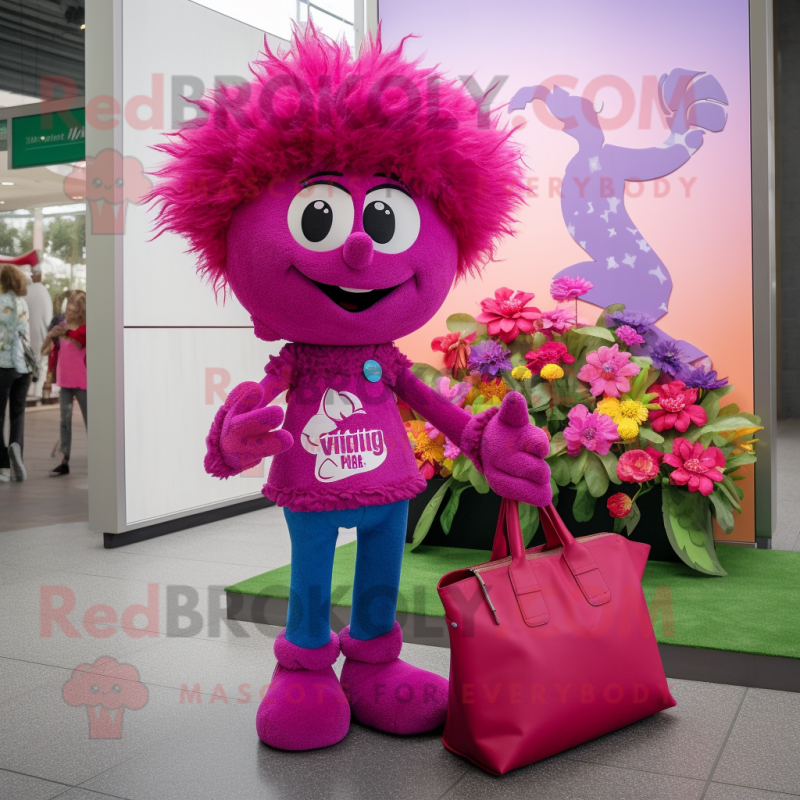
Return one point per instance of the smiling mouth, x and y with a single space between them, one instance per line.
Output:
353 300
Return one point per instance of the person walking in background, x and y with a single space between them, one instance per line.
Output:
14 375
70 338
40 312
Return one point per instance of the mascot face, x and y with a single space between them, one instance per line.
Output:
340 258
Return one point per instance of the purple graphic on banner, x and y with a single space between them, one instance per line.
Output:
624 268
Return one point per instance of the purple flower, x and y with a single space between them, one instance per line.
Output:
637 320
701 378
628 335
669 358
489 358
563 289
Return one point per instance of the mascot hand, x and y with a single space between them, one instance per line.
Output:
512 453
244 433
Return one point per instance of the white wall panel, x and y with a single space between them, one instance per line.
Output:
163 39
168 414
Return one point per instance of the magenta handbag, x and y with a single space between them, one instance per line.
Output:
550 647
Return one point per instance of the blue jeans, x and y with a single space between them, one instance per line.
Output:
381 539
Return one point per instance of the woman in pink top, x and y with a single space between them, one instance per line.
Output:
70 370
339 202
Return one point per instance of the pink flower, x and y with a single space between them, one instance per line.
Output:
628 335
451 450
456 349
607 371
507 315
455 395
559 320
563 289
595 431
695 467
636 466
548 353
678 407
656 455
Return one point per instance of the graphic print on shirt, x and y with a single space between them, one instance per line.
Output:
341 454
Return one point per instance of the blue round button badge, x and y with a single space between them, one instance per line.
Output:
372 371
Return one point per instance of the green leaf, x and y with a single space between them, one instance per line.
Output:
596 476
650 435
687 518
711 406
722 510
540 395
730 410
739 461
428 515
426 373
619 524
610 463
462 323
478 480
596 331
521 346
529 522
578 466
731 490
462 467
446 520
583 507
632 520
560 469
554 490
558 444
731 423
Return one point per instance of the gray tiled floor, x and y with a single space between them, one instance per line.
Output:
719 743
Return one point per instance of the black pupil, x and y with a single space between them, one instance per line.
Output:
317 221
379 222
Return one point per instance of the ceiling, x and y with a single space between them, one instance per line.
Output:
36 39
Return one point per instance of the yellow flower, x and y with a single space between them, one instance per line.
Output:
632 409
425 448
551 372
448 464
627 428
521 373
496 388
609 406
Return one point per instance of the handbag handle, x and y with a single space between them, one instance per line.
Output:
521 571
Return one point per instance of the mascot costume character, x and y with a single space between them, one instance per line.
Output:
338 199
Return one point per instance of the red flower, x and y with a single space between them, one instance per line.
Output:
619 505
695 467
678 407
548 353
506 315
636 466
456 349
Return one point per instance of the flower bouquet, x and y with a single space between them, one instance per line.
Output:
625 411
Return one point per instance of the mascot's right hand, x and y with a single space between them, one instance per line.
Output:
244 432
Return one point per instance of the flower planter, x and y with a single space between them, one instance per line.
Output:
475 521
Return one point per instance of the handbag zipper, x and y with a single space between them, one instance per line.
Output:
486 595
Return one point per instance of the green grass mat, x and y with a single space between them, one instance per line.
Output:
756 609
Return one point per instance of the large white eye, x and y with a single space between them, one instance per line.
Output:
321 217
391 219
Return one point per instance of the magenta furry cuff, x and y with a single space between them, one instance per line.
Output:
380 650
291 656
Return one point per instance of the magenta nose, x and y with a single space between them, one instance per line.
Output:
358 250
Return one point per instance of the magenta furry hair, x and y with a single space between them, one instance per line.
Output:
315 107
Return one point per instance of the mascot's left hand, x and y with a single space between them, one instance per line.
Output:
512 453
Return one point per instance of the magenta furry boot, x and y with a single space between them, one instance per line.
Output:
387 693
304 707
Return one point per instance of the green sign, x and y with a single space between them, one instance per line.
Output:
42 139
